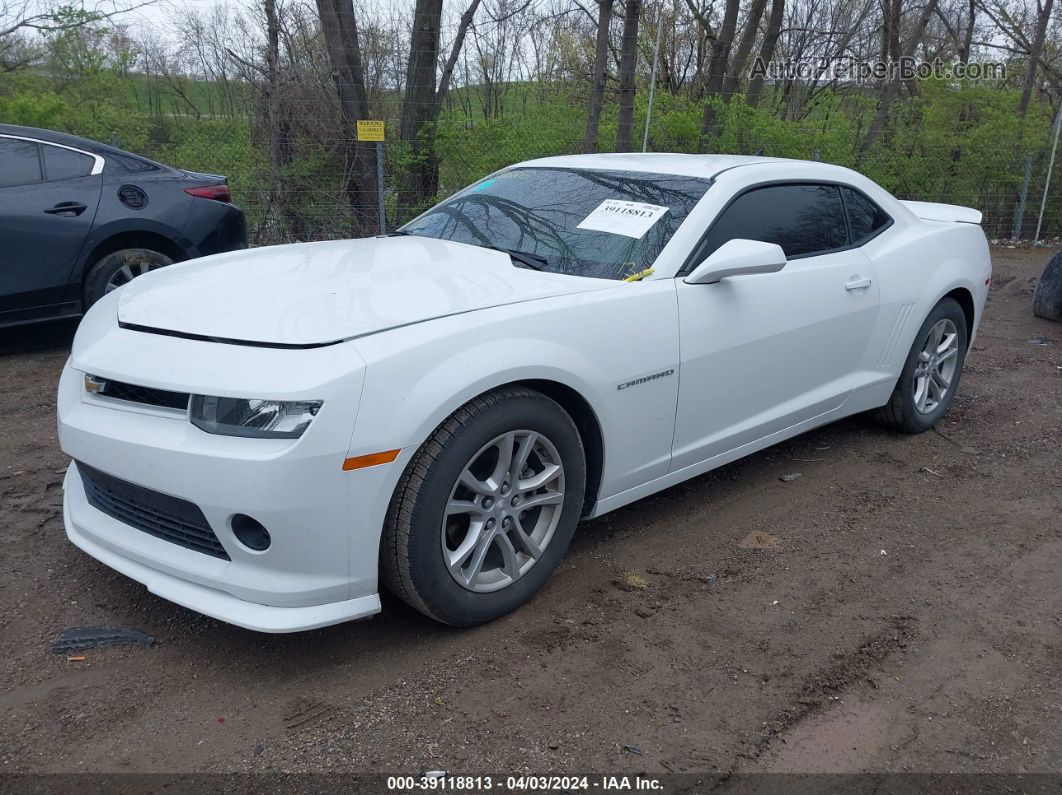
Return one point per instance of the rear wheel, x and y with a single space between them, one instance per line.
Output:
485 510
931 373
119 268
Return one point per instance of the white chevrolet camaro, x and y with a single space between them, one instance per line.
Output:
266 436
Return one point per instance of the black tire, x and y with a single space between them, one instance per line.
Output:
411 552
108 267
1047 300
901 412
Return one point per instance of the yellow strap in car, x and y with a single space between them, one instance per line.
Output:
637 277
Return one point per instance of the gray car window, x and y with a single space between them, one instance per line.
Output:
20 164
62 163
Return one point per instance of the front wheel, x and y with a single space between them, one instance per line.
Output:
485 509
931 372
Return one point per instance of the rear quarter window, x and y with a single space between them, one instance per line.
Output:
62 163
865 218
129 164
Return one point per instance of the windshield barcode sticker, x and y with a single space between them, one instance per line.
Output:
619 217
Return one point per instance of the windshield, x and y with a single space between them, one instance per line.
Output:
605 224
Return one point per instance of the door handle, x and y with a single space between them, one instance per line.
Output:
67 209
857 284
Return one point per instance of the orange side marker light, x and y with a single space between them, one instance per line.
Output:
370 460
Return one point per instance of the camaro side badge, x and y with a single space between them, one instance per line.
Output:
646 378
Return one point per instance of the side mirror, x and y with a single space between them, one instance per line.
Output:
738 258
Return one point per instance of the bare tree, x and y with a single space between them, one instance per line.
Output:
279 135
891 87
722 40
717 63
418 104
599 79
628 65
497 46
455 53
961 36
340 30
1036 49
18 51
767 48
422 101
19 15
745 43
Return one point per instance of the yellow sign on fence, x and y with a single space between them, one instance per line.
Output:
369 130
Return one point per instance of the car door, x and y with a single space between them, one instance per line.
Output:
48 200
761 353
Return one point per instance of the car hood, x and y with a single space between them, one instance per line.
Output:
309 294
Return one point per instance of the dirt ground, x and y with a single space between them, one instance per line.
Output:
906 615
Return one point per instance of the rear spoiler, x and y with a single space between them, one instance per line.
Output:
204 176
930 211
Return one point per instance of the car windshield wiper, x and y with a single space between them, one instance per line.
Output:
528 260
525 258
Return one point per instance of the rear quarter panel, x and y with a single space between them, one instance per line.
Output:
166 213
215 227
917 265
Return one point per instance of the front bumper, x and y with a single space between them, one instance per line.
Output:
200 598
325 524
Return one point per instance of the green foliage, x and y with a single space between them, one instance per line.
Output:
469 151
951 142
955 143
33 109
963 146
75 46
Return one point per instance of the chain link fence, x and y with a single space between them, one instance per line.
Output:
305 193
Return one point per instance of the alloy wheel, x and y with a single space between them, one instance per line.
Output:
126 274
503 511
935 369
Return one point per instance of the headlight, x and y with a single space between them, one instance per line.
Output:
259 419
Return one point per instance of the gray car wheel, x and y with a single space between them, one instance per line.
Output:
486 508
931 372
119 268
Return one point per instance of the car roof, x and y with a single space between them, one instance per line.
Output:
49 136
657 162
77 142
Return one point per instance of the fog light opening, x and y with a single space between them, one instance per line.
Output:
250 532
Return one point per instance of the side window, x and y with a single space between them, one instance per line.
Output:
865 219
19 163
62 163
802 219
130 163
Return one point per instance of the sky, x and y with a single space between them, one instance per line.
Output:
159 13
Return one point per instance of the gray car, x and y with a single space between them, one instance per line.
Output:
79 218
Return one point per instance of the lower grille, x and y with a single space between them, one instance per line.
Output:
169 518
